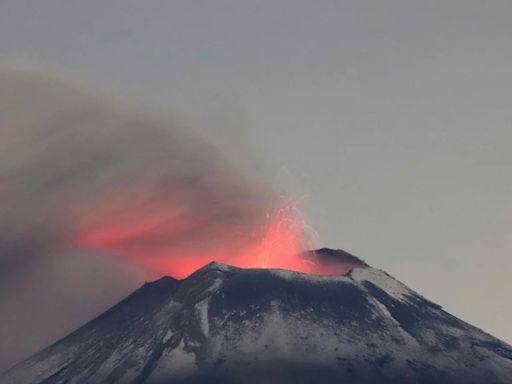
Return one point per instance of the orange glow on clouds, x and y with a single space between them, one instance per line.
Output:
160 241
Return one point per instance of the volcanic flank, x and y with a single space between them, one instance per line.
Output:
224 324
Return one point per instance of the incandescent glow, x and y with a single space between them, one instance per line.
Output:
153 238
284 238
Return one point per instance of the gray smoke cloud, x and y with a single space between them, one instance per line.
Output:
83 175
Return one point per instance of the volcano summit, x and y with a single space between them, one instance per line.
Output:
228 325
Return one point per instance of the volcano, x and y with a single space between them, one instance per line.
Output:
224 324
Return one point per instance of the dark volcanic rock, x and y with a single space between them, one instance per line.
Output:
228 325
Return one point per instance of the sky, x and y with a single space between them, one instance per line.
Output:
389 121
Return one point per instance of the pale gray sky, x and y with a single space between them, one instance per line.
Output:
391 118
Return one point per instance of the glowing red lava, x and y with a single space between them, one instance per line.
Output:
162 245
285 237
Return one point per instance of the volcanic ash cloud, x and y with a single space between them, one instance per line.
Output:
80 170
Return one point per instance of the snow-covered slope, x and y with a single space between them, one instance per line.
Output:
228 325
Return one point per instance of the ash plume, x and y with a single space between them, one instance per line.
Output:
78 169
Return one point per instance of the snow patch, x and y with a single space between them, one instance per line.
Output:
167 336
292 275
382 280
202 312
175 363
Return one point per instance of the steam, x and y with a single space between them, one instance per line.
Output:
80 170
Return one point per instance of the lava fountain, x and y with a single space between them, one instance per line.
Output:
153 239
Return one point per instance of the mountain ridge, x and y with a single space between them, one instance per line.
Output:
227 324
